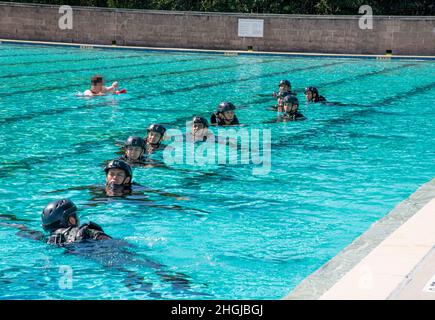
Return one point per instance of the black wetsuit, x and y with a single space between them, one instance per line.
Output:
297 116
206 138
150 148
318 99
221 122
87 231
113 253
118 190
141 161
283 94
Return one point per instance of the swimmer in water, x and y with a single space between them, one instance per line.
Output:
134 149
59 219
61 224
98 88
156 134
200 132
312 95
284 90
120 186
224 115
290 110
118 178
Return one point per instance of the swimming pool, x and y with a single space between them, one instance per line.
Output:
238 235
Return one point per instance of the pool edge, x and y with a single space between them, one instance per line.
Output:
316 285
224 52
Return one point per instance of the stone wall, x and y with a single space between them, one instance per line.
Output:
295 33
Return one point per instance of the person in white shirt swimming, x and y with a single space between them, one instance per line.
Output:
98 88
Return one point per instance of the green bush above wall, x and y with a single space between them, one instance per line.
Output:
339 7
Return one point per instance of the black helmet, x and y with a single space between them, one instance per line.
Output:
200 120
290 99
312 89
286 82
134 141
157 128
226 106
56 214
119 164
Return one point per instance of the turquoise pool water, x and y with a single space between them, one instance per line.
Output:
236 235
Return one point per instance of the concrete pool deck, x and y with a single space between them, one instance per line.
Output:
394 259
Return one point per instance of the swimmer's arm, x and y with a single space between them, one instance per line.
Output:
31 234
88 93
25 232
112 87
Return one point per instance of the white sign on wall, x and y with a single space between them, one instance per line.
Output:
251 28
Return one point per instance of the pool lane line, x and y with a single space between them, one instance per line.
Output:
64 110
89 146
37 54
340 81
77 51
81 84
264 75
211 68
407 65
27 63
68 52
108 58
414 91
141 76
97 69
80 60
115 67
80 148
23 164
31 115
350 116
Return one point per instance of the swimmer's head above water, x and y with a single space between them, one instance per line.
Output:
284 86
98 88
199 126
59 218
311 93
225 111
97 83
156 133
59 214
118 173
134 148
290 104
